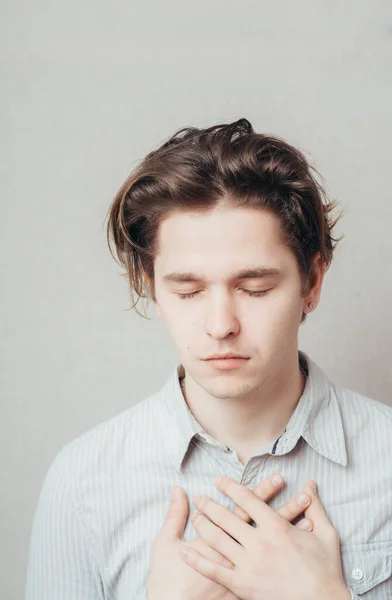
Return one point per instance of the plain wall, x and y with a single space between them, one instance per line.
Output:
88 88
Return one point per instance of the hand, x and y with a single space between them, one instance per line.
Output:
275 560
170 578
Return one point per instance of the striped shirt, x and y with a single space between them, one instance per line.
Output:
105 496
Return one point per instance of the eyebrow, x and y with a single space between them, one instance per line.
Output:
255 273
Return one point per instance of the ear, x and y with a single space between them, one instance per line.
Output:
317 274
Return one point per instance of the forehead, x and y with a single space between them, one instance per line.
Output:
220 241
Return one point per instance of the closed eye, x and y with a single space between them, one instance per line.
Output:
249 292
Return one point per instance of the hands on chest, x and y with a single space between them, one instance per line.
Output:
231 559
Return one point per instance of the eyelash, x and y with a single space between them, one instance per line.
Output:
252 294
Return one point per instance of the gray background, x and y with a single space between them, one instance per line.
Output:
87 89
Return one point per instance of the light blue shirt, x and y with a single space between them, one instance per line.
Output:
106 494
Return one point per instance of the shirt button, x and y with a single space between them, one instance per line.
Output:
357 574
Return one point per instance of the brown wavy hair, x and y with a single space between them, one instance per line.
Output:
199 169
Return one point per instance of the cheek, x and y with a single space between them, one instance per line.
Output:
181 325
278 317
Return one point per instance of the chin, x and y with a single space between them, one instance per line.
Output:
229 391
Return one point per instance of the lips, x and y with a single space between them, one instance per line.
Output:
227 363
224 356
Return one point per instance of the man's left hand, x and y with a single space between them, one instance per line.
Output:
274 559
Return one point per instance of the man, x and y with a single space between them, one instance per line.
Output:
230 234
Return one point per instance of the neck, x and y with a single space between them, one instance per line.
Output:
247 423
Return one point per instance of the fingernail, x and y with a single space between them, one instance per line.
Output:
277 480
304 524
313 485
303 499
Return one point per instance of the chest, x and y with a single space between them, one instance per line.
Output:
126 541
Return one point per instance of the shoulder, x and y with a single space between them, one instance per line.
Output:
361 406
111 442
365 418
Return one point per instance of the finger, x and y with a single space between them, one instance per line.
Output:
323 527
226 577
305 524
295 506
218 539
224 518
246 499
208 552
265 490
177 515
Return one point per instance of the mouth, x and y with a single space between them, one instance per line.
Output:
227 362
224 356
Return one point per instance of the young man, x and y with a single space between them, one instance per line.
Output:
230 234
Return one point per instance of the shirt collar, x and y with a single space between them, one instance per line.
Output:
316 419
182 426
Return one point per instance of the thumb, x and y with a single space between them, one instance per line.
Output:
323 527
177 514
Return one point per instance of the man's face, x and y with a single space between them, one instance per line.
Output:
222 316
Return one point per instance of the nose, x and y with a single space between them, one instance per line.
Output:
221 318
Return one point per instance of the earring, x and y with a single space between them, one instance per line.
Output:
310 304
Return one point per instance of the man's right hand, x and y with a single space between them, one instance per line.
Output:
170 578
